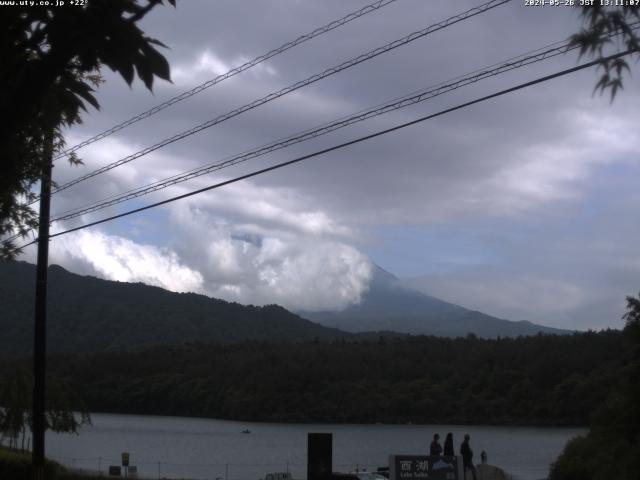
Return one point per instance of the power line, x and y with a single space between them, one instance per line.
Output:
234 71
13 237
524 59
346 144
380 109
274 95
528 58
415 97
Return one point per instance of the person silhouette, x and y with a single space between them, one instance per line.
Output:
467 457
435 449
448 445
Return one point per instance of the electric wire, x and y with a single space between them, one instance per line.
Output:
205 169
548 51
528 58
345 144
234 71
542 53
274 95
396 104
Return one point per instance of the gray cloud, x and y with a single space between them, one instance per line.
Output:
529 160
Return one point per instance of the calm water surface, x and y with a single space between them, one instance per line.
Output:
178 447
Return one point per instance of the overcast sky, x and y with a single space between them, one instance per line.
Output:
523 207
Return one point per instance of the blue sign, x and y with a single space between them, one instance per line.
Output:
425 467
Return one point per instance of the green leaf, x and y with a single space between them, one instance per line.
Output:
158 63
84 91
145 73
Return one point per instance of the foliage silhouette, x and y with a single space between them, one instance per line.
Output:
611 449
87 314
51 60
16 386
539 380
598 23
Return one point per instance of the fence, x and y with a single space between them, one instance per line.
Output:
200 471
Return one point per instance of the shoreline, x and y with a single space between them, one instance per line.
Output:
196 447
347 422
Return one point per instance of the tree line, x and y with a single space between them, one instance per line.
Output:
541 380
611 448
65 411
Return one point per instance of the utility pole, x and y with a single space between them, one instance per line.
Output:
40 330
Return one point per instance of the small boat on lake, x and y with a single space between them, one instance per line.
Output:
278 476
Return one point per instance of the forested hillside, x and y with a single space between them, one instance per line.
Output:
545 380
87 314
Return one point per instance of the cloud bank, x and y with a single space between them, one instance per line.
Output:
523 205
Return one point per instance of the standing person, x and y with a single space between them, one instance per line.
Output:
435 450
467 457
448 445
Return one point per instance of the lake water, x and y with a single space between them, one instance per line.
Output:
196 448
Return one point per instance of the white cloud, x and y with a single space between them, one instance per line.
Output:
259 70
269 257
207 64
284 209
533 157
308 275
116 258
544 169
249 244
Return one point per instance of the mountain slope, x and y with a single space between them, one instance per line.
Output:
390 306
86 314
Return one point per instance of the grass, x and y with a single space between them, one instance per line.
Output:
15 464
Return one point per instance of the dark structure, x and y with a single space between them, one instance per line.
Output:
319 456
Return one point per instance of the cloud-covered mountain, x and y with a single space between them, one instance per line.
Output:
389 305
87 314
526 193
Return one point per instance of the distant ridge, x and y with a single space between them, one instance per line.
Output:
389 305
87 314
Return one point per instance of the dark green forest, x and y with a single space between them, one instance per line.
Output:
87 314
611 448
541 380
